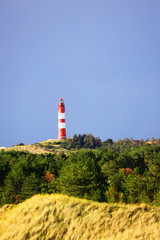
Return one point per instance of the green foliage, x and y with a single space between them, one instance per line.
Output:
30 187
134 187
13 183
20 144
157 198
80 177
81 141
123 171
22 174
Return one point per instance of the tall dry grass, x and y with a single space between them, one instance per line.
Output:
61 217
38 148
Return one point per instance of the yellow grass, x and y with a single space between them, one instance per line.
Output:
29 148
38 148
61 217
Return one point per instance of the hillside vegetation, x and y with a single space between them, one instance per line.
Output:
49 146
125 171
60 217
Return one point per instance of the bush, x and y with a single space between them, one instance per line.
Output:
20 144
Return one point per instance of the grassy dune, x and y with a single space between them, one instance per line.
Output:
66 218
50 146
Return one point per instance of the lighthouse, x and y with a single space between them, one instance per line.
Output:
61 120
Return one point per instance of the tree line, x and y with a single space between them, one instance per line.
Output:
91 142
125 171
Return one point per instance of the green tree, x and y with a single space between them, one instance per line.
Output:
13 184
30 186
79 178
135 188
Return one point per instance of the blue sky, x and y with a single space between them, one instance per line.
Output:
102 57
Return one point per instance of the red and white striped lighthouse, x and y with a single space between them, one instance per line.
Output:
61 120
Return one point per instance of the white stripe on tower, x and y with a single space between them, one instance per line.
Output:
61 115
61 125
61 120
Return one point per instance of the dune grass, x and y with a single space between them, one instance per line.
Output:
61 217
48 146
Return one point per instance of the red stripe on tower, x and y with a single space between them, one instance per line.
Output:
61 120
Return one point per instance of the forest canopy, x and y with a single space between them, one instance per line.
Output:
124 171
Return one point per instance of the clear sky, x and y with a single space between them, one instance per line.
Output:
101 56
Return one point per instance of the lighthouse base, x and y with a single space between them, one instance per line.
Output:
62 133
62 137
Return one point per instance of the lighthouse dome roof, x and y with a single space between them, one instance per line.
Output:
61 100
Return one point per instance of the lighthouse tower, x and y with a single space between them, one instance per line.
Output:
61 120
